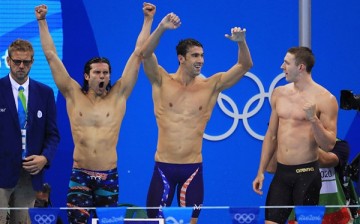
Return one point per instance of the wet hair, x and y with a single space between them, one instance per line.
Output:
21 45
184 45
87 68
303 55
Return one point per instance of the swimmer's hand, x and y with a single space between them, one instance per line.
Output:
258 183
237 34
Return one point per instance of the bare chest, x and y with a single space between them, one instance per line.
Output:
291 108
97 115
186 100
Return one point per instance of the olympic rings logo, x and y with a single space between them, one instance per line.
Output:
244 217
44 219
172 220
246 114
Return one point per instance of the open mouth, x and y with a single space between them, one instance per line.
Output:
101 84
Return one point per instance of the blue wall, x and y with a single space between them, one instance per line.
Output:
230 163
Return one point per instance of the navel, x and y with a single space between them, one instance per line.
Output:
80 114
200 108
170 104
107 115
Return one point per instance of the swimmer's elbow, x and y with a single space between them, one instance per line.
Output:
329 146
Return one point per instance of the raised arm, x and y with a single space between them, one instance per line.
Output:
131 70
243 64
62 79
151 66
